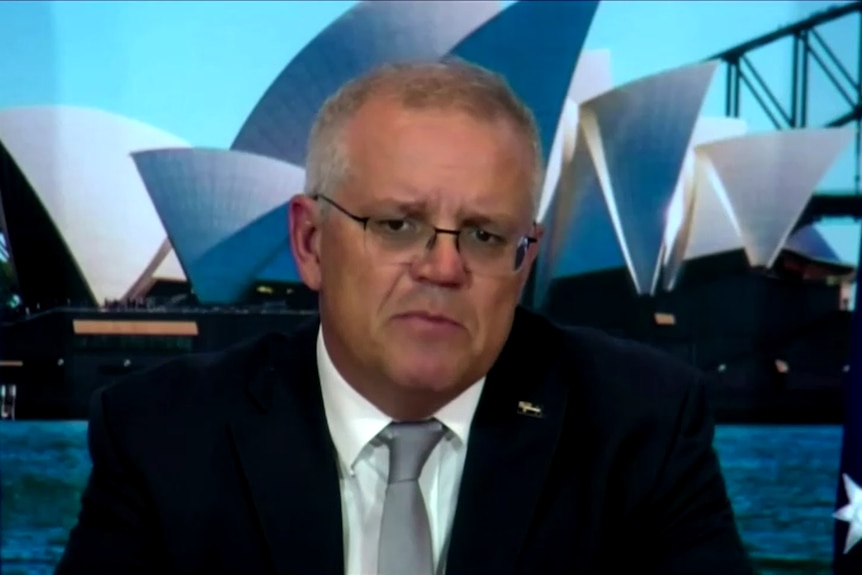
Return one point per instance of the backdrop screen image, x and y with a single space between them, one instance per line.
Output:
702 194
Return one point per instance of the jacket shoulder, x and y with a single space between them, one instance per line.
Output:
190 383
611 375
597 352
615 359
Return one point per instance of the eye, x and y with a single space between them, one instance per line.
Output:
395 226
485 237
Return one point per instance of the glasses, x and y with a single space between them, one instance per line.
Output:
404 240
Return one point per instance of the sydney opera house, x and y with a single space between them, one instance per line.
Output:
662 224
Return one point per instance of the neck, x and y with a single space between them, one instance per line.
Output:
396 399
403 405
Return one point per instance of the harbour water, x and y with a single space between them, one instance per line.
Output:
782 480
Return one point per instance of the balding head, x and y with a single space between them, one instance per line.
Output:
445 85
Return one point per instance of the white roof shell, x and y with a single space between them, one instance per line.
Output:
78 161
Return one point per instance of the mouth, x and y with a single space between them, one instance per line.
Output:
429 318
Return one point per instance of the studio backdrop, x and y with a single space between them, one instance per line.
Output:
701 195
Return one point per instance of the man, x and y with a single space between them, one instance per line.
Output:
425 424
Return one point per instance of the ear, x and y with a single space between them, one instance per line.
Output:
304 221
532 253
539 233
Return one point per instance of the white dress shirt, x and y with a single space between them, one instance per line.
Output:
354 424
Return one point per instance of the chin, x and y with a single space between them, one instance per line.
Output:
431 372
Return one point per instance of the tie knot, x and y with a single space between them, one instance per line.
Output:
410 444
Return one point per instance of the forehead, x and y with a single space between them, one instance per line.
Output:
443 156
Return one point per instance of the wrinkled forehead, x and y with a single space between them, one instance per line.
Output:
439 161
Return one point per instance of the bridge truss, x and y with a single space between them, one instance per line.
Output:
810 49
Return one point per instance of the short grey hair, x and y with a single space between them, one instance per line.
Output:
450 83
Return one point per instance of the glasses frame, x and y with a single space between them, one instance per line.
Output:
523 243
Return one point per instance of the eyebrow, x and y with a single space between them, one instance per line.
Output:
484 219
466 216
404 206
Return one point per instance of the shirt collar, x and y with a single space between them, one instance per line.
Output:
354 421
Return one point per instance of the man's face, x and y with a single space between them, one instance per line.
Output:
434 325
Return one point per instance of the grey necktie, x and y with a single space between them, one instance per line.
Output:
405 534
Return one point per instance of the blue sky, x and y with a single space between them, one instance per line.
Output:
196 69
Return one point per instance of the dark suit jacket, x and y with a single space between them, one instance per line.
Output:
222 463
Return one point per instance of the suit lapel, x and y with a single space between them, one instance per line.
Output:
510 451
284 447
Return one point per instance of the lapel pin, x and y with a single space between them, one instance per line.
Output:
529 409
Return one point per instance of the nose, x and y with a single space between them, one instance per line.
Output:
441 263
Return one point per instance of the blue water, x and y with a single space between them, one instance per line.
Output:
782 480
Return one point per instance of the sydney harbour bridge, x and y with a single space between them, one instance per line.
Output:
816 68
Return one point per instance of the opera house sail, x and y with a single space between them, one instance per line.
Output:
75 194
225 212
